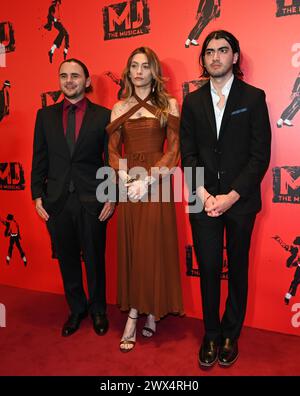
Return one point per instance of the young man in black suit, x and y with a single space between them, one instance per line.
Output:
69 147
225 128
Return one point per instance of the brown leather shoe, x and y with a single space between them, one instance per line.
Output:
228 352
208 353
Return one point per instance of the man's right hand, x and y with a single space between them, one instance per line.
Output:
40 209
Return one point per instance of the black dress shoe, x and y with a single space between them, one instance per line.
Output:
100 323
208 353
72 324
228 352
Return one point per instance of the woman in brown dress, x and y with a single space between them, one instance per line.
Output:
148 261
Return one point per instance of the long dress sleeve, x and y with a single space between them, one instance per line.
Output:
115 145
172 154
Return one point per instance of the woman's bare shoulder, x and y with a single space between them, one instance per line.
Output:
122 106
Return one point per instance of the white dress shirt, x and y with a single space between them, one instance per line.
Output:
216 98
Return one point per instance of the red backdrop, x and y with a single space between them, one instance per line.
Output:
271 59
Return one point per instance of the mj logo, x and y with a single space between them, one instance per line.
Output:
195 271
127 19
50 97
7 36
287 7
11 176
2 315
286 184
190 86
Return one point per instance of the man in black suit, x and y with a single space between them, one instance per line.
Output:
225 129
69 147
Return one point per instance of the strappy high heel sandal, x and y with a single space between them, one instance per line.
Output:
126 342
147 331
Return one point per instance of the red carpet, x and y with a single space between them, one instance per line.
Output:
31 344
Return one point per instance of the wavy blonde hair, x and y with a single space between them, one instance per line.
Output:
159 97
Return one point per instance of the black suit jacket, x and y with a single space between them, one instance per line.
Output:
52 164
241 155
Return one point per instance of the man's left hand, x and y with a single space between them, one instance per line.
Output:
221 203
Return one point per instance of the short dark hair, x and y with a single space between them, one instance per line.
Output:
84 68
234 44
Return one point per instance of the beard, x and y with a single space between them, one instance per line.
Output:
73 94
219 73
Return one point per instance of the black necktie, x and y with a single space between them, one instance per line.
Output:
70 136
71 126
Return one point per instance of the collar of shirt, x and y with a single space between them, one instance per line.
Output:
81 105
80 112
225 90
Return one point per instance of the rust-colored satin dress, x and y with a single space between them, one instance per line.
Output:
148 261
